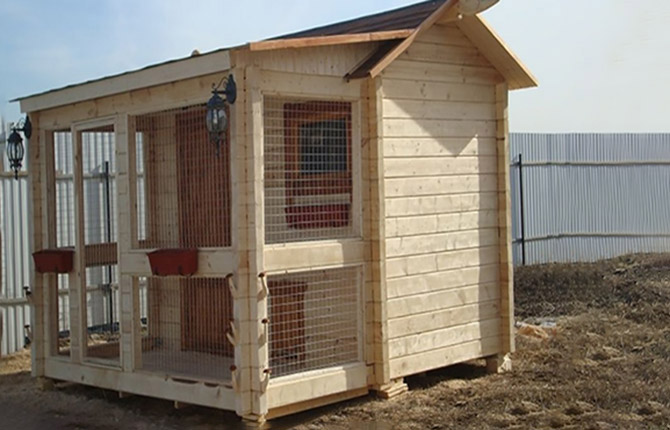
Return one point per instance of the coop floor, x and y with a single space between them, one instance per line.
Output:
188 364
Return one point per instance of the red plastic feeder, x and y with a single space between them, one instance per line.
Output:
173 262
54 260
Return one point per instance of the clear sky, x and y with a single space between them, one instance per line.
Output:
603 65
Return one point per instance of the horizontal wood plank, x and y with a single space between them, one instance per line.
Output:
442 73
211 263
438 128
414 89
426 283
438 147
439 53
412 364
430 302
339 39
423 244
336 60
286 391
436 185
399 267
413 167
432 340
445 318
440 204
286 84
433 109
313 255
441 223
160 386
445 35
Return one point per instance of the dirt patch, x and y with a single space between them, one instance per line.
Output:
596 356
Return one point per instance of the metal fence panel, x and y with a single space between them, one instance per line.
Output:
590 196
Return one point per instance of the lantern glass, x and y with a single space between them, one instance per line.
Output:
15 150
217 120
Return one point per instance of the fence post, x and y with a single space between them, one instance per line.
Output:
522 213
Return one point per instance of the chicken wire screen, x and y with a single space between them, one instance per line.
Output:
183 185
308 173
314 320
184 333
100 230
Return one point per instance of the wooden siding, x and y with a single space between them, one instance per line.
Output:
441 204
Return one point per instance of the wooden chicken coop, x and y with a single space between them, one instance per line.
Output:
351 226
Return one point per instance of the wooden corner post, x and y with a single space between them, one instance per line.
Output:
501 362
382 380
255 225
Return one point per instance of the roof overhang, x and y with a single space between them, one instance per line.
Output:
395 40
163 73
480 33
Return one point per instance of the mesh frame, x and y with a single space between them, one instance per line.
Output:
183 187
100 236
315 320
184 333
309 164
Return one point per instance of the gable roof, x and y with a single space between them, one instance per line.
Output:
397 29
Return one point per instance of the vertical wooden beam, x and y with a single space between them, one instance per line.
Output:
49 240
378 234
254 193
244 295
77 279
126 188
36 166
505 222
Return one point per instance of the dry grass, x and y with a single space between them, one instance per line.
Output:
605 366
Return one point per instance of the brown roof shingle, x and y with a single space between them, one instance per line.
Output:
408 17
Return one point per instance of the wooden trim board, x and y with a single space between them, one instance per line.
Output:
177 70
307 42
302 388
146 384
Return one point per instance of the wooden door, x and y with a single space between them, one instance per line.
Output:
204 221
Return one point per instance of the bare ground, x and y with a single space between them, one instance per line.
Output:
593 352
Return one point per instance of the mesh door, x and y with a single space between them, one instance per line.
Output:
314 320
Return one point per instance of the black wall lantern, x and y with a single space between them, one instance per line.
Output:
217 120
15 149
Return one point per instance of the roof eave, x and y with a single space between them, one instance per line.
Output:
170 71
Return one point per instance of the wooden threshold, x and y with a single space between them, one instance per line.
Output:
315 403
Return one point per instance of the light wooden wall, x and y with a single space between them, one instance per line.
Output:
441 204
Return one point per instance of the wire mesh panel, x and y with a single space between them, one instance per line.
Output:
186 326
183 185
308 173
314 320
65 235
99 201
